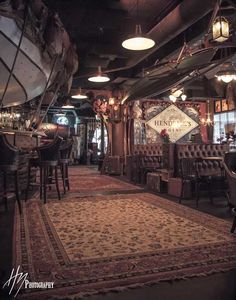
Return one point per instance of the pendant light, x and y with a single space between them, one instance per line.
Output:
176 92
183 96
79 95
59 114
68 104
99 77
227 73
220 29
138 41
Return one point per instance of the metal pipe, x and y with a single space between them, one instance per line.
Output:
178 20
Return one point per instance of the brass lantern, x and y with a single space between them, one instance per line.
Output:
220 29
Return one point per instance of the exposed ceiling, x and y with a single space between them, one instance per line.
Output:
98 27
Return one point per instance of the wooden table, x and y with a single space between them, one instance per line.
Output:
219 158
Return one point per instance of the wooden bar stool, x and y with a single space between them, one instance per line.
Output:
47 162
9 165
65 151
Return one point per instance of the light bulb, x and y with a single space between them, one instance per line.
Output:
111 101
172 98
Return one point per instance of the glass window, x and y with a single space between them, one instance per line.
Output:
224 124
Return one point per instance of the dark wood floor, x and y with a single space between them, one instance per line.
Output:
220 286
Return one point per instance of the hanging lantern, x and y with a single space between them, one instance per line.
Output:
220 29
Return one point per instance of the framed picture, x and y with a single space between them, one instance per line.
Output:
217 106
224 105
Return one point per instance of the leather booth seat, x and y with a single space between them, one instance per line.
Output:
201 151
22 172
147 150
143 158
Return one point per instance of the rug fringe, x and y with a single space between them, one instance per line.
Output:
119 289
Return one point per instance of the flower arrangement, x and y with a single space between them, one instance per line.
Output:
165 136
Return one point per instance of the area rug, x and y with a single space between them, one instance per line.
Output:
105 243
83 170
98 183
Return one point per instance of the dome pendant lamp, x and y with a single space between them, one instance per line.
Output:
99 77
138 41
79 95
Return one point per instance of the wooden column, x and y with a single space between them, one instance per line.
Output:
118 139
102 138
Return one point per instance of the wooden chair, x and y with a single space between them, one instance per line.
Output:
9 165
230 172
189 173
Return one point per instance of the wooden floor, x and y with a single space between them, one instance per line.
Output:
220 286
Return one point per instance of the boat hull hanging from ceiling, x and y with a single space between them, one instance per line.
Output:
35 59
167 75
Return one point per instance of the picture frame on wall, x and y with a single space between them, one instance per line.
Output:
224 105
218 106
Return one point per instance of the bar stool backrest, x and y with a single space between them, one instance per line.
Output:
65 149
50 152
187 167
9 155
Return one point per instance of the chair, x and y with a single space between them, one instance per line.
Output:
47 161
189 173
64 159
230 172
143 164
149 163
9 165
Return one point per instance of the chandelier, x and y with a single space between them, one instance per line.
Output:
176 93
226 75
207 121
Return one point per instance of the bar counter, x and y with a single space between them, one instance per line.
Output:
22 139
25 141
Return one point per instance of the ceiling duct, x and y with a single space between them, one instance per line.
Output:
177 21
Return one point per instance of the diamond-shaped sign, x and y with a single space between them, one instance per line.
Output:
174 120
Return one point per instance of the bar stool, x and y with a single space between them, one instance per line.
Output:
65 152
47 161
9 165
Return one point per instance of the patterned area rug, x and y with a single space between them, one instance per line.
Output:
87 245
98 183
83 170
